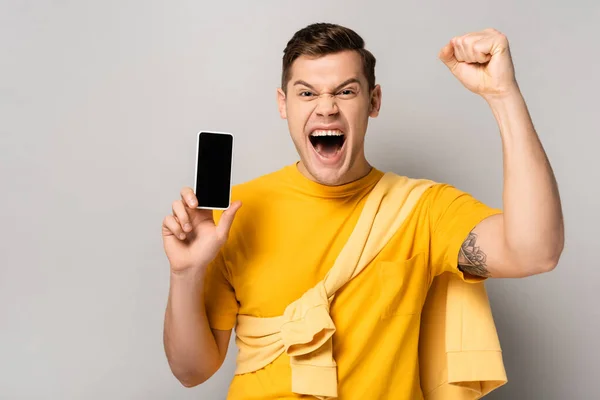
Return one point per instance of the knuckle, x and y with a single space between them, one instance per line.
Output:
175 227
169 222
183 218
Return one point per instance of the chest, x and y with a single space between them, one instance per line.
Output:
288 252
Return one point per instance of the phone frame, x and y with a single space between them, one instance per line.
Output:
196 167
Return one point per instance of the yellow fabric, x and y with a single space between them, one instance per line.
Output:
304 331
459 351
286 239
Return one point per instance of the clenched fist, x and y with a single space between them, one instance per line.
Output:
482 62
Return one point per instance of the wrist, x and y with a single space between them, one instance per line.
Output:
509 95
192 274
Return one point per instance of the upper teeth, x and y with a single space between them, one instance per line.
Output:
327 133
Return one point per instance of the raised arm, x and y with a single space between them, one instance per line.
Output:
528 238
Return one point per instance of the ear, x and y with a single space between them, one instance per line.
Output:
375 105
281 103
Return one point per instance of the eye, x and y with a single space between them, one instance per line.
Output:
346 92
306 93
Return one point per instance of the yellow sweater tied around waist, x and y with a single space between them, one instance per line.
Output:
305 329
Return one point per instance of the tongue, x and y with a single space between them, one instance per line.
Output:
327 150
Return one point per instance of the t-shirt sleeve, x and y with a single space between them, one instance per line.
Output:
452 216
219 296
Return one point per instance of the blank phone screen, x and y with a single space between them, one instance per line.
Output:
213 172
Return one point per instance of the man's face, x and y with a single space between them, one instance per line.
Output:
328 105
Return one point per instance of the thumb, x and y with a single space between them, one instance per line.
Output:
447 56
227 219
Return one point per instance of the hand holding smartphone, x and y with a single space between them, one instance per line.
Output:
190 236
214 165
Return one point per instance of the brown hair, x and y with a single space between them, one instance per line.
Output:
321 39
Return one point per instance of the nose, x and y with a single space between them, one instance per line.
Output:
326 105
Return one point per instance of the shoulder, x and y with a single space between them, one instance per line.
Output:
441 198
449 208
259 187
417 189
429 200
440 193
429 192
401 180
254 192
443 195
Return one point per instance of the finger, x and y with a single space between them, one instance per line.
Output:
179 210
466 43
447 56
189 197
473 53
171 225
493 42
482 49
227 219
459 51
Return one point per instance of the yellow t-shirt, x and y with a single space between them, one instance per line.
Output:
286 237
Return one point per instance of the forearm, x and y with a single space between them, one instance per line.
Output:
533 221
189 343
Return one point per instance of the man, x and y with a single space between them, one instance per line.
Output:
295 222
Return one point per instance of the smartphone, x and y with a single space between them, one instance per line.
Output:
214 165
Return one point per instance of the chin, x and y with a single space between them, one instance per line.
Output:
329 175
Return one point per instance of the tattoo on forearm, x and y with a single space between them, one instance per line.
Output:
471 259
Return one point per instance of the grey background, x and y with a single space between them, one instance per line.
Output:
99 106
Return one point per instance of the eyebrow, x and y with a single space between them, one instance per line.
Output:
346 82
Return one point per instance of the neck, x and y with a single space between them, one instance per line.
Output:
358 171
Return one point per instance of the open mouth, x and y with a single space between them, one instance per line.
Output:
327 143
